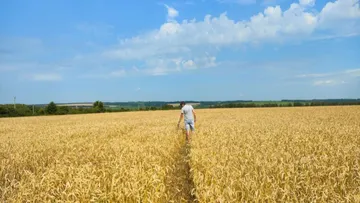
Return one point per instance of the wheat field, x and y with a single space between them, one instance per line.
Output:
309 154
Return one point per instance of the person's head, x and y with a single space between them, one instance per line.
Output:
182 104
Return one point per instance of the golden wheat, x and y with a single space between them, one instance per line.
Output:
306 154
128 157
278 155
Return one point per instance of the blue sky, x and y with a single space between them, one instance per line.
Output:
75 51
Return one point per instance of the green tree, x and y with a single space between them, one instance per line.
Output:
23 110
4 111
167 107
41 111
62 110
99 106
51 108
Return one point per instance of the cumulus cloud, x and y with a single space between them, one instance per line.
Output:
187 40
341 15
299 21
182 45
340 10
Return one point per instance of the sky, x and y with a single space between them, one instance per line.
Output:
168 50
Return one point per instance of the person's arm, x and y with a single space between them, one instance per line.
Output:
181 116
194 115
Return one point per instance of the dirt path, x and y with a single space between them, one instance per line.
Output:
180 180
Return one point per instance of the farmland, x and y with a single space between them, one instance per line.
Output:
307 154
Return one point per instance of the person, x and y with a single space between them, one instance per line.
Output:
188 112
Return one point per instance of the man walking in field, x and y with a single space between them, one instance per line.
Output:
187 111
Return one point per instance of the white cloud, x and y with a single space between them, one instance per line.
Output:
300 22
353 72
206 62
187 40
189 64
328 82
113 74
307 2
162 66
332 78
342 16
314 75
46 77
349 72
171 12
181 45
340 10
138 52
172 65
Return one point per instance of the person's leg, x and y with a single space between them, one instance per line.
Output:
188 135
192 128
187 128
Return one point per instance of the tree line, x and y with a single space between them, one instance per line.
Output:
288 104
9 110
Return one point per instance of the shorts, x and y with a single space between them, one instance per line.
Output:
189 124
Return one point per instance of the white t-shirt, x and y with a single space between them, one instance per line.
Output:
187 110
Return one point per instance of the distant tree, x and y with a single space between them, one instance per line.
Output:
41 111
62 110
298 104
23 110
167 107
99 106
4 112
51 108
